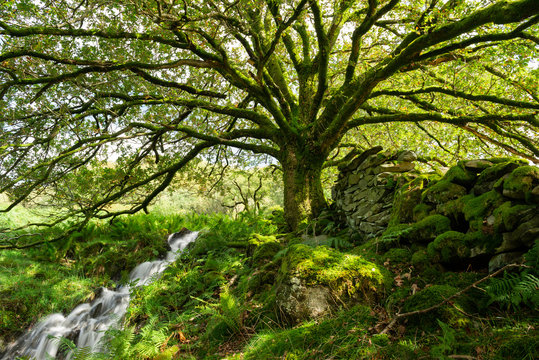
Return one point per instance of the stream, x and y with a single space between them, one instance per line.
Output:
87 323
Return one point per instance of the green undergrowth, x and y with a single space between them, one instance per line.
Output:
220 300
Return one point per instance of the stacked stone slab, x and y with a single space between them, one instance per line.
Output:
365 189
480 212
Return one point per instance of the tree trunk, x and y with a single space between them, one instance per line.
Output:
303 193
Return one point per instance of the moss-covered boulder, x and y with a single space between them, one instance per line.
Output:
427 229
442 192
507 216
489 176
460 175
520 183
420 212
313 281
448 248
477 210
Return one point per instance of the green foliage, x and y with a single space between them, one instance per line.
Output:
447 342
226 316
515 290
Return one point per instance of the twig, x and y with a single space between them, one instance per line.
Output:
398 316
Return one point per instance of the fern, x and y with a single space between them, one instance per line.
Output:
514 290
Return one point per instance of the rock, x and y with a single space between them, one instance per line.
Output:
490 176
310 280
521 182
477 165
354 164
407 156
303 303
499 261
442 192
427 229
448 248
395 168
353 179
372 161
524 236
459 175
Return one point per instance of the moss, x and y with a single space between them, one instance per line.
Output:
421 211
521 182
459 175
488 242
431 296
476 209
442 192
519 347
427 229
263 247
508 217
448 247
405 198
397 255
492 178
420 258
343 273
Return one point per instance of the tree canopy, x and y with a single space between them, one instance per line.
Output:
154 84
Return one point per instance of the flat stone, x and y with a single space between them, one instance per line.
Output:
357 161
372 161
477 165
395 168
407 156
368 228
353 179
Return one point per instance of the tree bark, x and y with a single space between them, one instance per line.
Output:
303 193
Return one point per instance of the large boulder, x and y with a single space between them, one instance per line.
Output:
315 281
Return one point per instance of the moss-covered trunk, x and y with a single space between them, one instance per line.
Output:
303 193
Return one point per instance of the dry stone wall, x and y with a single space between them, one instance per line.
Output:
365 189
481 212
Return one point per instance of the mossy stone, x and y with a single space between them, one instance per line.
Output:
421 211
508 217
405 199
488 177
398 255
448 248
344 273
442 192
476 209
521 182
482 243
459 175
427 229
420 258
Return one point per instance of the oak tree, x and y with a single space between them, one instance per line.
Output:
156 83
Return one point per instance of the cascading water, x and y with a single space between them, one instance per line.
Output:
87 323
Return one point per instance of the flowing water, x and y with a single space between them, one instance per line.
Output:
87 323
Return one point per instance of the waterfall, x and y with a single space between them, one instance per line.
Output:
87 323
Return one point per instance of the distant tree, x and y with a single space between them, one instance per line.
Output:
156 83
